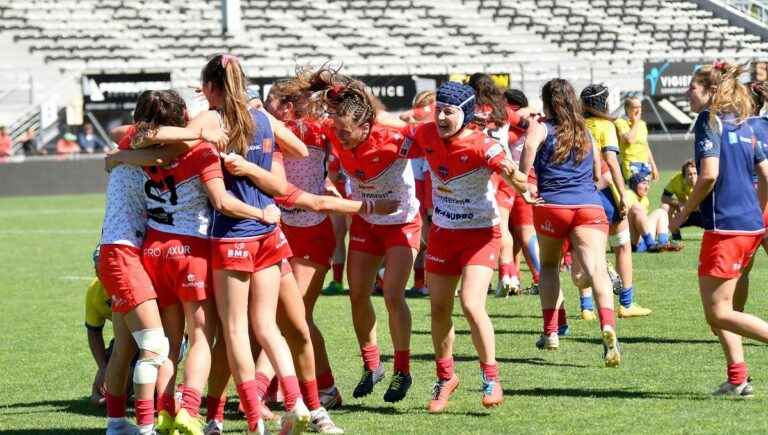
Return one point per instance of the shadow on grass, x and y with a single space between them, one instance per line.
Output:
603 394
54 431
496 332
513 316
81 406
652 340
428 357
383 410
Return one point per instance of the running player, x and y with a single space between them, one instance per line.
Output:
565 165
496 121
595 102
374 157
726 156
464 240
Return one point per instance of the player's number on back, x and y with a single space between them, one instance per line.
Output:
159 214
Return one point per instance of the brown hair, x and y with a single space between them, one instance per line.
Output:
561 103
226 75
157 108
759 95
729 95
343 96
487 93
688 163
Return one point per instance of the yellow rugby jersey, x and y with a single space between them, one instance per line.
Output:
678 188
637 151
605 139
97 306
633 198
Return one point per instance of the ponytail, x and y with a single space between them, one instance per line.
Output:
224 72
488 93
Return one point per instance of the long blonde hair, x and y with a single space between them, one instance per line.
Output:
226 75
729 95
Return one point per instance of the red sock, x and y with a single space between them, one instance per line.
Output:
490 371
291 391
606 317
444 368
145 411
338 272
262 385
737 373
507 269
550 321
310 394
534 275
371 356
167 403
418 277
562 318
190 400
215 408
116 405
249 398
403 361
325 380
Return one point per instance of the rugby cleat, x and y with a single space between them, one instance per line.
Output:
367 381
508 285
186 424
334 288
493 395
588 315
164 423
214 427
441 392
121 426
548 341
260 429
320 422
633 310
563 330
398 387
296 420
611 350
330 398
741 391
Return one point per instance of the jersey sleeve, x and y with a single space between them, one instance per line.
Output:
289 199
125 141
493 154
93 320
622 126
209 165
609 139
759 153
705 142
672 188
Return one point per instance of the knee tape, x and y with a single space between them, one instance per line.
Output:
620 239
152 340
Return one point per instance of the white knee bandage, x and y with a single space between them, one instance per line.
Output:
620 239
155 341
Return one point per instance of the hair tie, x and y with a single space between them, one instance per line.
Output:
226 58
719 65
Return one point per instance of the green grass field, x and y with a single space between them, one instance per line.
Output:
671 361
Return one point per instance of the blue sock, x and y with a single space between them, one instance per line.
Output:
649 240
641 247
663 238
626 296
586 303
531 250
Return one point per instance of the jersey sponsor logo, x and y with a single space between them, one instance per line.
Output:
442 171
453 216
193 282
733 137
238 251
179 251
707 145
548 227
463 158
358 239
431 257
151 252
373 195
444 189
737 266
267 145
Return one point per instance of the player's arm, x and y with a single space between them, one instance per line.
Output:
119 132
536 135
272 182
145 157
332 204
289 143
204 126
762 183
96 345
230 206
389 120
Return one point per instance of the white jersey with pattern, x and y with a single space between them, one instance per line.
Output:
125 216
308 174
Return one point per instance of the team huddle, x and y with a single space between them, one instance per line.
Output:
219 232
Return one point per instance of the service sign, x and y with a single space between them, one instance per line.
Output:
396 92
668 78
118 92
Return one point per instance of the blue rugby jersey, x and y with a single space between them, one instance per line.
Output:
568 183
731 206
259 152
